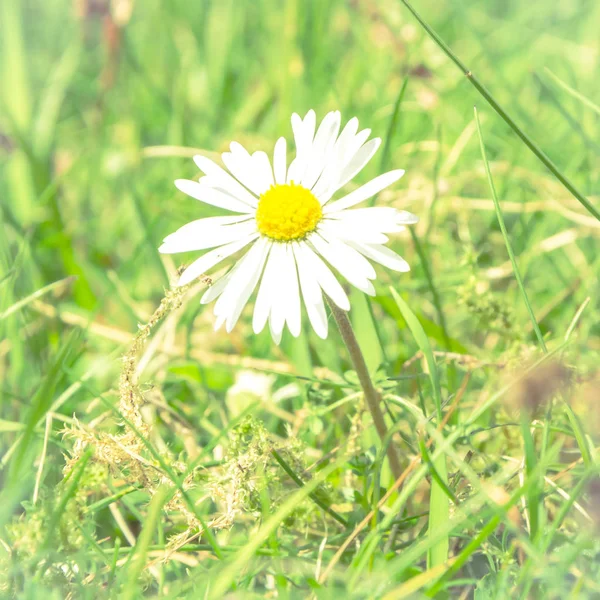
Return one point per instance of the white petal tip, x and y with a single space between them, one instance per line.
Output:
201 161
406 218
165 248
322 334
181 183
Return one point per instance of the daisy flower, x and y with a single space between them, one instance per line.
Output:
292 230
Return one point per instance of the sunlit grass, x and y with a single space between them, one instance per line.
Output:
204 462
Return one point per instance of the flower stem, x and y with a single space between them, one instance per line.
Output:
372 397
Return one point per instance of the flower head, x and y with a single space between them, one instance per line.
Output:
289 226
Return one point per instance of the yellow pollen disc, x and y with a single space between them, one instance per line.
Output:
287 212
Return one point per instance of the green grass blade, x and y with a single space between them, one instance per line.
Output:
391 130
16 96
505 116
439 507
52 99
132 574
57 285
423 342
73 480
507 243
572 92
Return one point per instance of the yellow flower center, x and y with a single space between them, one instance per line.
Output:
287 212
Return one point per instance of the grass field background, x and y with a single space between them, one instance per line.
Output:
188 463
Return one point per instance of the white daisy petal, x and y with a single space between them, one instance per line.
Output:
325 278
279 161
239 163
208 224
212 196
322 145
304 131
384 219
311 291
346 137
350 263
263 170
197 235
351 165
405 218
365 191
267 288
356 164
212 258
218 287
280 297
383 255
355 144
225 180
346 230
293 310
241 285
276 334
336 161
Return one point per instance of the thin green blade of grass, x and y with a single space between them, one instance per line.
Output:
132 574
583 99
146 226
434 474
40 404
507 243
56 285
414 584
391 130
52 99
437 302
73 480
16 90
573 123
534 495
585 445
439 507
542 156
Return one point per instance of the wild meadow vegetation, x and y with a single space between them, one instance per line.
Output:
144 455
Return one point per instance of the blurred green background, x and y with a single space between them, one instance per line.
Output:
103 104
